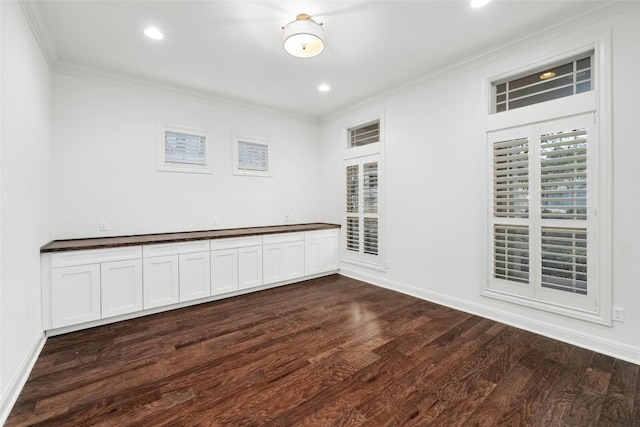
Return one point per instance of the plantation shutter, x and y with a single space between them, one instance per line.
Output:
184 148
353 203
253 156
362 228
541 224
511 178
563 170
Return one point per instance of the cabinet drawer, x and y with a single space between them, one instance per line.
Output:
94 256
162 249
236 242
282 238
321 234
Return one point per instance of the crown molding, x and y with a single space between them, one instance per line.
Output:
585 20
33 15
167 89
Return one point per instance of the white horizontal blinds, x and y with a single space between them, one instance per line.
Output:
564 259
352 197
253 156
511 253
544 84
370 207
511 178
563 174
363 135
185 148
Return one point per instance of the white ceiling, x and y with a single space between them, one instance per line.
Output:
233 49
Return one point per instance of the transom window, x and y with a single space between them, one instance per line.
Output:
544 84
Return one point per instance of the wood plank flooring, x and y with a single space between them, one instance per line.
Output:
327 352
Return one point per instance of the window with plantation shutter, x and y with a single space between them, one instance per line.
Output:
184 149
542 219
362 230
250 155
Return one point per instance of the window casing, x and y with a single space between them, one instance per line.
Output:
251 155
184 149
549 205
362 223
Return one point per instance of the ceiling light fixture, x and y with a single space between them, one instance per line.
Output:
547 75
479 3
324 88
304 37
153 33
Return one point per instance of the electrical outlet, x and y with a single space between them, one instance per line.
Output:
104 225
618 314
214 220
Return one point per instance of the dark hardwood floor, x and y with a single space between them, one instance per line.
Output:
326 352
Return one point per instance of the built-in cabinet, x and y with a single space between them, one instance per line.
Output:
92 285
82 286
236 263
283 257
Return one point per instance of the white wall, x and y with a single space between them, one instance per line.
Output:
104 145
25 188
436 191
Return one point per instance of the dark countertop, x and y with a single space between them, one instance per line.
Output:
142 239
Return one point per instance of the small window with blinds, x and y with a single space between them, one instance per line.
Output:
251 155
362 214
570 77
364 135
184 149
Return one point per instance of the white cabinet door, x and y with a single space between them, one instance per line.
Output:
321 252
273 263
224 271
160 281
75 295
329 251
293 260
121 287
249 267
195 276
312 257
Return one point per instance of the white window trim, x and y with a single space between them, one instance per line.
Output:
600 97
350 154
161 163
250 137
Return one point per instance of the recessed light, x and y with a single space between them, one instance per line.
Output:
479 3
547 75
154 33
324 88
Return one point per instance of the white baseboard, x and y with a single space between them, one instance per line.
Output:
592 342
13 389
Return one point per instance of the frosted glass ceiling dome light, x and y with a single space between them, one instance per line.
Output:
303 37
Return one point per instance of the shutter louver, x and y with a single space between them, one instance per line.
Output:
253 156
564 259
563 173
185 149
511 178
370 233
352 189
511 253
353 234
363 135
